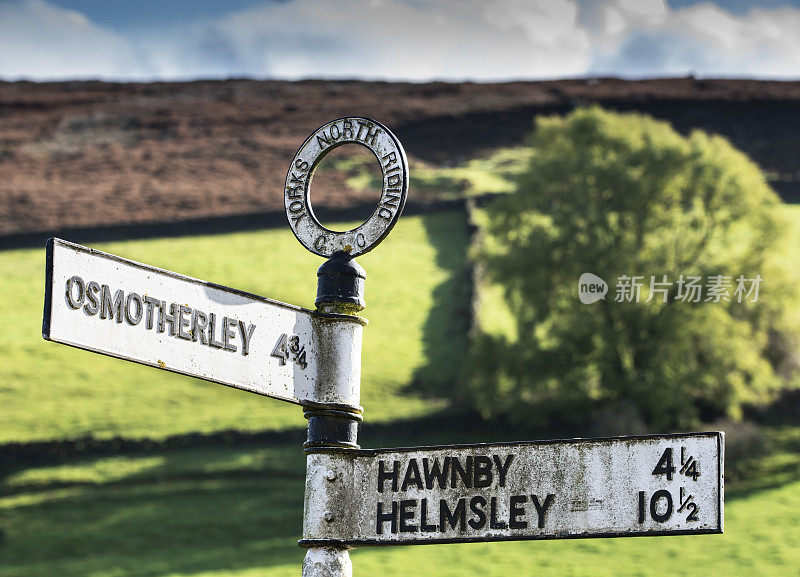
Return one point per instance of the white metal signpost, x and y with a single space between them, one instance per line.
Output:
647 485
110 305
652 485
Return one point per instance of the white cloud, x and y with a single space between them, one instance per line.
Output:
621 16
44 42
409 40
702 39
391 39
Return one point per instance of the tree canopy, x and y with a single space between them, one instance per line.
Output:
628 199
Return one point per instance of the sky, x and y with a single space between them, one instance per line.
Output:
408 40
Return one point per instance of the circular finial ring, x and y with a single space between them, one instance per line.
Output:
394 169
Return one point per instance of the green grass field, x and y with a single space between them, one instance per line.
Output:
50 391
494 173
235 510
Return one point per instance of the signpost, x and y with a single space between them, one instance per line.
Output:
107 304
624 486
652 485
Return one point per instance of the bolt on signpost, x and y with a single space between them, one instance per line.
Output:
623 486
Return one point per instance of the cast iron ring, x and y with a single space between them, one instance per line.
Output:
394 168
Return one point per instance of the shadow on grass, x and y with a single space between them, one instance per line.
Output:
216 509
155 511
151 529
445 333
185 510
202 226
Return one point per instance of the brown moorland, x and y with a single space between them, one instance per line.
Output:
83 155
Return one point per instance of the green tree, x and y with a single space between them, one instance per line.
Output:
623 194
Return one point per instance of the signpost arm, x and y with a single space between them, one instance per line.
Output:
332 429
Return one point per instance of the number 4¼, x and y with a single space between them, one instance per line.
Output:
665 466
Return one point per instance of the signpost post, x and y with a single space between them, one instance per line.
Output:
624 486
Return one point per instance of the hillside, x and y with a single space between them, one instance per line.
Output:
111 468
83 155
